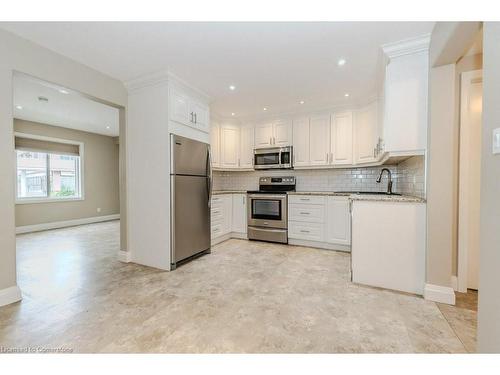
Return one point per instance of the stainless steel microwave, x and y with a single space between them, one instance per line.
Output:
273 158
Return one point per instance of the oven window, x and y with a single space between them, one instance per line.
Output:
267 159
267 209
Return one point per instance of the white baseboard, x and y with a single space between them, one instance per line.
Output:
124 256
438 293
319 245
225 237
454 283
64 224
10 295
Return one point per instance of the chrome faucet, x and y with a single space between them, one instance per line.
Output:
389 184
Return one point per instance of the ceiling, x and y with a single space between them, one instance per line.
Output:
66 109
274 65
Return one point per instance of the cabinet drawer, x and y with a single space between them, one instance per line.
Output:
217 213
308 199
306 231
216 230
313 213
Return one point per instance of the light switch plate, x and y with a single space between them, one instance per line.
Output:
496 141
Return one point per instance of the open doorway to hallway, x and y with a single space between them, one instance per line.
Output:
68 173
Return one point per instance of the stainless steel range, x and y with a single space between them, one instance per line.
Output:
267 209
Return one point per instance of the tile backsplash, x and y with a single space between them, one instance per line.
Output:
408 178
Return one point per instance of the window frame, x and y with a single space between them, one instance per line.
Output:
79 177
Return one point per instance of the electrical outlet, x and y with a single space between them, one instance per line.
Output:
98 209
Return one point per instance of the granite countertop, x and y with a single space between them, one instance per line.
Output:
364 197
217 192
352 196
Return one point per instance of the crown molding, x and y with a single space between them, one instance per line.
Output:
148 80
307 111
407 46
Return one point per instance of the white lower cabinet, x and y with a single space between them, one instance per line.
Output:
338 220
239 223
324 221
228 216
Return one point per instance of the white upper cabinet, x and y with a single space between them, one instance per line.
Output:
188 111
406 91
365 134
179 107
338 221
229 146
282 133
278 133
246 147
263 135
319 140
215 145
341 139
301 142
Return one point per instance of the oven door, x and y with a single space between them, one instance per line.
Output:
268 158
267 210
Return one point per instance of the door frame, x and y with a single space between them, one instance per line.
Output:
467 78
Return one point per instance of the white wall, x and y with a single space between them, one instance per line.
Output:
18 54
489 262
148 176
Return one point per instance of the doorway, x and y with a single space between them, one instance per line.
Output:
469 180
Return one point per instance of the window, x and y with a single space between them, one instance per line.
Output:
47 175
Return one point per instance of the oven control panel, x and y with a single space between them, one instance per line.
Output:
287 180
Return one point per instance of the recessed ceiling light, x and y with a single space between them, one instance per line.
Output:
301 102
341 62
232 113
64 92
19 106
232 87
265 109
346 95
107 127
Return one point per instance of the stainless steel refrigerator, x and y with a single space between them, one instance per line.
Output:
190 189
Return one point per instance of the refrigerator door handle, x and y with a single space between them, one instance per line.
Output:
209 178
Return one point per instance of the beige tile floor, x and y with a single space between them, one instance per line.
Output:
245 297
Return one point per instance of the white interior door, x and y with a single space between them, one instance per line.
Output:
469 180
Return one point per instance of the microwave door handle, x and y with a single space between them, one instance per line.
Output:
280 163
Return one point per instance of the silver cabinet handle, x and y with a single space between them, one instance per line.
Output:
327 158
305 213
192 116
305 199
215 212
244 200
304 231
195 118
238 162
274 141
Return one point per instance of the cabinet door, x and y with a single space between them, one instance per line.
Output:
282 133
227 208
338 221
246 146
263 135
341 139
215 145
301 142
239 221
365 134
319 140
200 115
179 107
229 146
